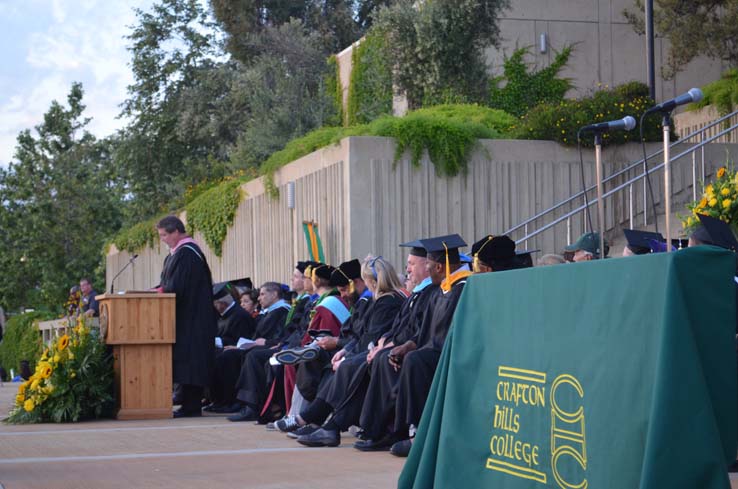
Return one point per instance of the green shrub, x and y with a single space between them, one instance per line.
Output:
137 236
522 90
447 132
722 93
370 88
213 211
560 122
334 92
22 340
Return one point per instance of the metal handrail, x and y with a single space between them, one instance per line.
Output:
579 194
629 182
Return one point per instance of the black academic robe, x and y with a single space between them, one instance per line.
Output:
351 329
419 366
186 273
270 326
235 323
379 319
411 316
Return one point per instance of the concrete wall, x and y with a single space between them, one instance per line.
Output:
607 50
364 204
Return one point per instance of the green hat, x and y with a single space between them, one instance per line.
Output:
588 242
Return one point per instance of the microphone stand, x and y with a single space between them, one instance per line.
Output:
666 123
121 271
600 192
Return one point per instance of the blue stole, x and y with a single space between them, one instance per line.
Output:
336 307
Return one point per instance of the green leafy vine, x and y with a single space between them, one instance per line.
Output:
213 211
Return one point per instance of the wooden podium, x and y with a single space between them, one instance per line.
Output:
140 327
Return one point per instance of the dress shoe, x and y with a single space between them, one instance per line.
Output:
321 438
181 413
381 445
401 448
245 414
292 356
229 409
212 408
303 430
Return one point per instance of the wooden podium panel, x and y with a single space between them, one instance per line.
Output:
141 329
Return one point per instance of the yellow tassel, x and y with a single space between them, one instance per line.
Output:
448 264
476 262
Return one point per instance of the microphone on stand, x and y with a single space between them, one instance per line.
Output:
133 258
693 95
627 123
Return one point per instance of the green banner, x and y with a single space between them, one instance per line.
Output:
611 374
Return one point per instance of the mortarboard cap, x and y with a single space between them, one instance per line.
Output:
323 271
351 268
492 248
221 290
719 233
338 278
242 284
302 265
642 242
416 248
441 247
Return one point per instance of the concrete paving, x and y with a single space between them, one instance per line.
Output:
207 452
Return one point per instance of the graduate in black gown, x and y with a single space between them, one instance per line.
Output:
233 322
417 359
378 317
187 274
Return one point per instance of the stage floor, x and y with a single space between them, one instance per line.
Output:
207 452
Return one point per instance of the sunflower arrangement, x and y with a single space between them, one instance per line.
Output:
73 380
719 199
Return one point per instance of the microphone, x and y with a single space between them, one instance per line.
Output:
627 123
133 258
694 95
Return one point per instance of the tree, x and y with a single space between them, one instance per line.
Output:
438 47
178 130
59 202
285 91
333 20
693 28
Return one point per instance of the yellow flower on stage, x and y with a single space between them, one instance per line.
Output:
28 405
713 202
703 203
71 355
45 370
22 388
726 203
72 375
57 358
63 342
725 192
34 384
19 399
721 172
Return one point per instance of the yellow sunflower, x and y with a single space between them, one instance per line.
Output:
721 172
45 370
29 405
63 342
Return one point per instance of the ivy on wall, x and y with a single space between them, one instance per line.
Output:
518 90
213 212
334 92
370 88
722 93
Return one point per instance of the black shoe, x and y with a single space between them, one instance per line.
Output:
401 448
296 355
303 430
181 413
381 445
321 438
245 414
212 408
229 409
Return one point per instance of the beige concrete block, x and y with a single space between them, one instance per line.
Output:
568 10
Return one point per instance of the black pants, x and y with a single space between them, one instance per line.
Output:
191 398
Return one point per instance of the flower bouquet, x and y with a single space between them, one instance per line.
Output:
73 380
719 199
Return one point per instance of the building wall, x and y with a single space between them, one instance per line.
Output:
365 203
607 51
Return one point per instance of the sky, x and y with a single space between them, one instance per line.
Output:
46 45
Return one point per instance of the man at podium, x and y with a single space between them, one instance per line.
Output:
187 274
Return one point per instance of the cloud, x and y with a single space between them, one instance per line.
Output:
80 40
